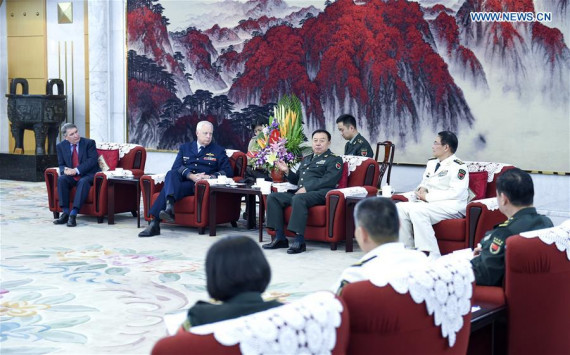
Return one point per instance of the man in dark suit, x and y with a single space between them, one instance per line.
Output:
318 174
77 160
356 145
195 161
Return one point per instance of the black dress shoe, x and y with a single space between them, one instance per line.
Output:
152 229
62 219
297 248
276 244
71 222
167 214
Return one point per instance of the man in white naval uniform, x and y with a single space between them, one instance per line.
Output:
376 231
441 195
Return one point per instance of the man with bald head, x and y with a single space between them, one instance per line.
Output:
201 159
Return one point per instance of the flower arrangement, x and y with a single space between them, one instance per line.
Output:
283 138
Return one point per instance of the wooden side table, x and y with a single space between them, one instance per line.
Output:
111 182
250 193
351 202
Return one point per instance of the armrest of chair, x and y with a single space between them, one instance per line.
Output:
399 198
481 216
150 184
202 202
51 175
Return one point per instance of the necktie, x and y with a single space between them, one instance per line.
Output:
75 160
200 149
437 167
346 147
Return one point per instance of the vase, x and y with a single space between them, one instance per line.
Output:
277 175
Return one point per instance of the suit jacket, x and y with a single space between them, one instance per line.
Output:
211 160
88 164
318 174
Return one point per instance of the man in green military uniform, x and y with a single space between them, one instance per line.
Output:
318 174
356 145
515 192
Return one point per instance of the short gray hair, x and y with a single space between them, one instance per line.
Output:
67 127
202 123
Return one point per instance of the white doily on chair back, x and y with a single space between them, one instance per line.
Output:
306 326
444 285
353 161
489 167
559 236
158 178
355 191
491 203
124 148
230 152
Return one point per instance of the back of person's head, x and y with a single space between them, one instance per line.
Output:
517 186
235 264
450 139
379 217
347 120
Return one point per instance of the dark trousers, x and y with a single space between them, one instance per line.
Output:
278 201
175 186
64 185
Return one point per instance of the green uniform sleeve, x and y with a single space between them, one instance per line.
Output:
489 266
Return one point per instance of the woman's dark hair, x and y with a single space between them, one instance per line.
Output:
262 121
235 264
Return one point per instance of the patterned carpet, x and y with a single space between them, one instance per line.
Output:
99 289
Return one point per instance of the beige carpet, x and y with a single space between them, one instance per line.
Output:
99 289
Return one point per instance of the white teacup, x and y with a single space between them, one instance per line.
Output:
266 187
387 191
259 181
222 180
119 171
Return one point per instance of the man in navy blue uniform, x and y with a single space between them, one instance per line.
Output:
195 161
77 160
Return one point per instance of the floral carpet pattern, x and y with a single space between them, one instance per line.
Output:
99 289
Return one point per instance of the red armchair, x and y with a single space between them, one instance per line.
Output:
327 223
387 322
189 343
193 210
481 214
131 157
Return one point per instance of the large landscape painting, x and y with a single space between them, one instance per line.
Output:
405 69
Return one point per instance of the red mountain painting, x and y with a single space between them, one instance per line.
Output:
405 69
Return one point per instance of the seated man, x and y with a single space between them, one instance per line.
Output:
356 145
376 231
441 195
515 193
77 160
318 174
195 161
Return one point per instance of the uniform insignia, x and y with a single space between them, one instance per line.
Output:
461 174
496 245
442 173
320 162
338 165
458 161
211 154
363 152
360 141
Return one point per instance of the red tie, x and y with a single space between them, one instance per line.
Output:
75 160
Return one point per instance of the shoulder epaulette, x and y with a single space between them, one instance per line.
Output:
505 223
431 159
459 162
364 261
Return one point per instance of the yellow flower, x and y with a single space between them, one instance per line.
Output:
271 158
21 309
